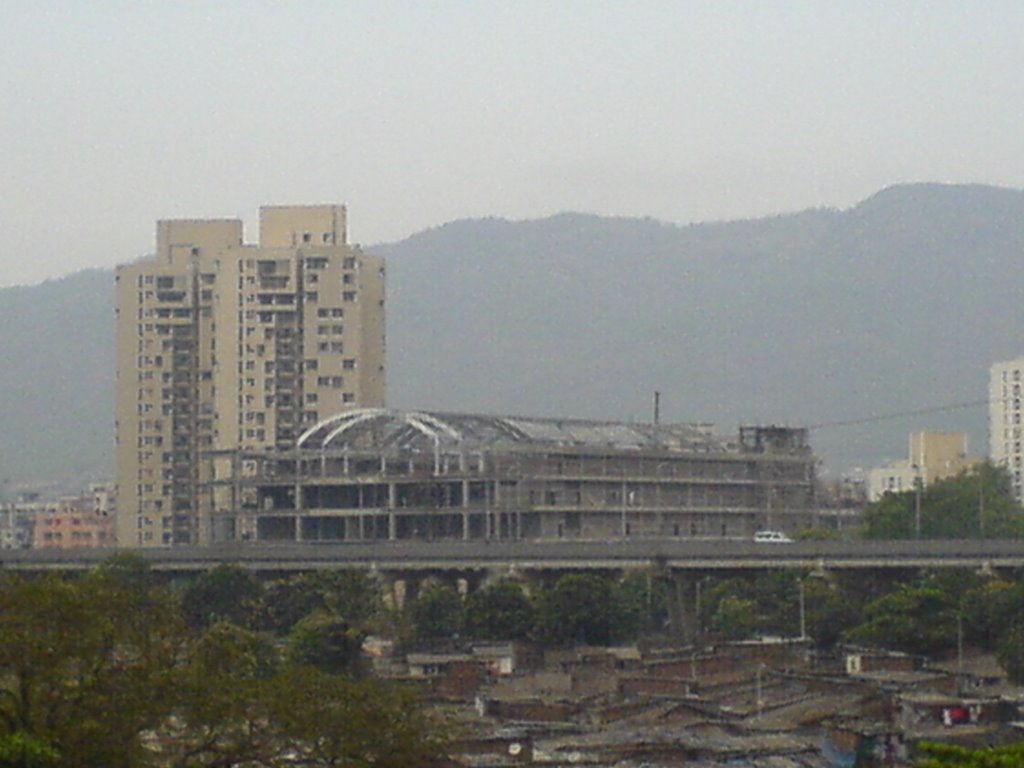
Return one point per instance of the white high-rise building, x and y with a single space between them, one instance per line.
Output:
1004 427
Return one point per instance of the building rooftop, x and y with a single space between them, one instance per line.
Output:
413 429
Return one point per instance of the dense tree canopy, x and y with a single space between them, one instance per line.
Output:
500 611
104 670
328 642
581 608
437 613
349 594
977 503
224 593
918 619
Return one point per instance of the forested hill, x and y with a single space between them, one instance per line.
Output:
898 304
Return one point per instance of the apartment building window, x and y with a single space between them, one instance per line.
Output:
348 296
312 296
349 262
348 278
337 330
311 364
348 364
348 397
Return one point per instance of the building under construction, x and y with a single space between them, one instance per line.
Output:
378 474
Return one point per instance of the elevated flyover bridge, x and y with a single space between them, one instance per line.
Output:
401 565
676 556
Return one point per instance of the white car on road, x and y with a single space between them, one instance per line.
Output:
771 537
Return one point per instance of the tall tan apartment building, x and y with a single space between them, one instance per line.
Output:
224 347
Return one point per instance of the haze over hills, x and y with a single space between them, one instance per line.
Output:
898 304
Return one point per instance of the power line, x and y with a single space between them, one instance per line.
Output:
902 414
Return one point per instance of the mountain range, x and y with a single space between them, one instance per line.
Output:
865 324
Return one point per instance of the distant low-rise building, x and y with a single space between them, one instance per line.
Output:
85 520
17 521
932 456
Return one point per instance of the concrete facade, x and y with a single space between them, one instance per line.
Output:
932 456
74 522
1004 424
226 346
378 475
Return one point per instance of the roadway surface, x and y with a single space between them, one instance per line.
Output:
674 554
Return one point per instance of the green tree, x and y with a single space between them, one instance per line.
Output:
914 618
19 750
1010 652
356 596
224 593
328 642
990 608
86 665
580 608
500 611
102 671
239 705
829 611
735 618
642 597
934 755
436 613
220 713
328 720
714 593
976 503
777 595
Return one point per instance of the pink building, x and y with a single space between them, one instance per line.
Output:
85 520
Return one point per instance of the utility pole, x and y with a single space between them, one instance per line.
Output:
760 697
981 506
959 654
803 612
917 502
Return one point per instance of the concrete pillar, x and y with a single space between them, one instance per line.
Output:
682 611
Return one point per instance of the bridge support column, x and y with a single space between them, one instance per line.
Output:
682 607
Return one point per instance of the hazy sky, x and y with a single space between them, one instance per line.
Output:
115 114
